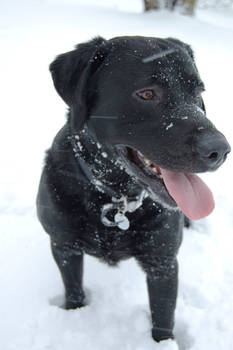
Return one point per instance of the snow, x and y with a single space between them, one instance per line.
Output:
169 126
117 317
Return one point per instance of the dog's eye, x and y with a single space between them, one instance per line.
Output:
146 94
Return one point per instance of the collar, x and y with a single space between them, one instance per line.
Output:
107 173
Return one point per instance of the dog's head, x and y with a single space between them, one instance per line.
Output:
141 97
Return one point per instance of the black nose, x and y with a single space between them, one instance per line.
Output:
213 150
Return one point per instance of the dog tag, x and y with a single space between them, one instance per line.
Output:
122 221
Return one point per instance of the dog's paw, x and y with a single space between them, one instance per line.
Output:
74 302
159 334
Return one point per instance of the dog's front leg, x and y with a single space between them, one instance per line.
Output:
162 289
70 263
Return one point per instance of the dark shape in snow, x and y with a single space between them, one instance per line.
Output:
123 165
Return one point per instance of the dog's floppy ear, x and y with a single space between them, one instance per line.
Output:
70 72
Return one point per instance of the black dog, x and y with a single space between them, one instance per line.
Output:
123 165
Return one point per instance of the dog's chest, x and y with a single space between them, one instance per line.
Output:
112 246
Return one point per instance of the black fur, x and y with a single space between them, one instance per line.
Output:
92 160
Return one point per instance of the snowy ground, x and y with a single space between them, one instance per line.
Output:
32 33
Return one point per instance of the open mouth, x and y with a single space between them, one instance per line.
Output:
172 188
150 168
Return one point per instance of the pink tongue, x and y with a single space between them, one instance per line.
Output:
190 193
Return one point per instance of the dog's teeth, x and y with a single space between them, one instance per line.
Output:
154 170
157 172
146 161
